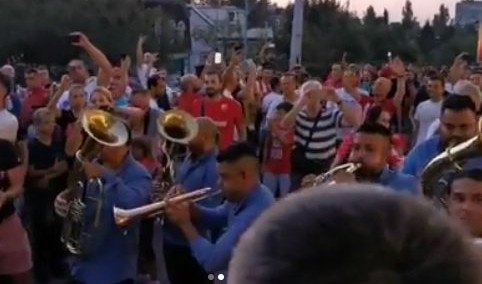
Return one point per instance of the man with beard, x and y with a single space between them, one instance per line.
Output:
226 113
458 123
246 199
199 170
371 148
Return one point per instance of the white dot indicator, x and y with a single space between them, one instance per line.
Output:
211 277
220 276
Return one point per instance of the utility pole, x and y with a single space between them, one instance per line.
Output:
296 33
245 31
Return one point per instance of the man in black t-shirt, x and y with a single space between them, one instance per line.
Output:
15 256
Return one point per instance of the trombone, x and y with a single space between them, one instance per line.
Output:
123 217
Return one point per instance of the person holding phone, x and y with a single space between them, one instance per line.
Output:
78 72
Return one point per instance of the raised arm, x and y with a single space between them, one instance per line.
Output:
65 84
99 58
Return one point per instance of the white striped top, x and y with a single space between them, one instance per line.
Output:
322 145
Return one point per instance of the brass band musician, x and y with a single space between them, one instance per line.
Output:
112 255
246 199
371 149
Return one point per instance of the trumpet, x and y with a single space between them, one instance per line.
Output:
328 176
123 217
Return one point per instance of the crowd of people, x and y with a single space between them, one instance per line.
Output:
263 134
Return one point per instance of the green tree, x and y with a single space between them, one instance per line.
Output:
386 17
408 19
39 29
370 17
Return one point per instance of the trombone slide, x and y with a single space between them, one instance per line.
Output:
123 216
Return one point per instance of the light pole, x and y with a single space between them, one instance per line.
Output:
245 31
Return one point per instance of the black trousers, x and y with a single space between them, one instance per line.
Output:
45 229
182 267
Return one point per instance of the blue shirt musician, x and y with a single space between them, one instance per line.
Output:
246 199
458 123
371 148
198 170
112 254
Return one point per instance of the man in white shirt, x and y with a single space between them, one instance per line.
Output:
428 111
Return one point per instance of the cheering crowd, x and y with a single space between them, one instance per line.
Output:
264 134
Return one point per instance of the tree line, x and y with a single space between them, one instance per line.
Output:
37 30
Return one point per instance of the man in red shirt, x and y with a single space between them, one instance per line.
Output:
36 97
226 113
188 93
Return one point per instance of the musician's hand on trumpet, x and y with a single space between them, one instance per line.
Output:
344 177
178 212
308 181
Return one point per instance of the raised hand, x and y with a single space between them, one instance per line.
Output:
83 40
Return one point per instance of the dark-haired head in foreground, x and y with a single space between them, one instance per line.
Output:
359 234
238 171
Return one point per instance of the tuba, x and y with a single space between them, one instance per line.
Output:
177 128
102 129
434 185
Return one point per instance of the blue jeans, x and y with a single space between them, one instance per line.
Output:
277 182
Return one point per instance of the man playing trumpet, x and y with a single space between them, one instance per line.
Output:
246 199
371 149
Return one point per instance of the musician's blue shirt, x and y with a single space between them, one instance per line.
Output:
238 217
399 182
421 155
194 174
113 253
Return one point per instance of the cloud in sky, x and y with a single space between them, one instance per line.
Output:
423 9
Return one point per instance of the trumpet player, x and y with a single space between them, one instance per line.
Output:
198 170
371 148
112 258
246 199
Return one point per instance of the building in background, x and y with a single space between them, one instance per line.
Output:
468 12
218 28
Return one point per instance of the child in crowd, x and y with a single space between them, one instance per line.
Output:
277 166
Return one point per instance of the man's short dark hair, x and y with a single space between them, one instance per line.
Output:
5 82
152 81
285 106
353 234
473 174
32 71
439 78
373 114
237 151
274 83
268 65
458 103
374 128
